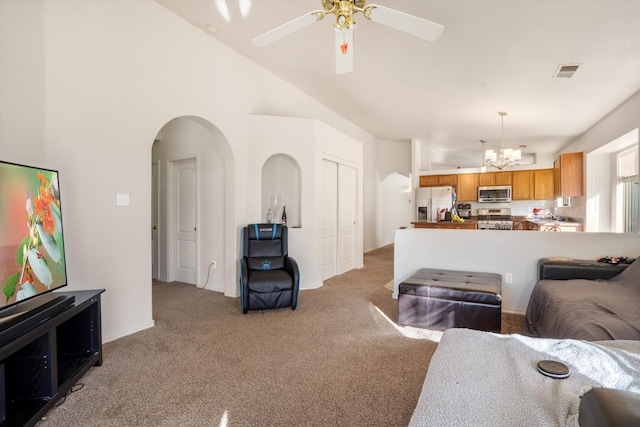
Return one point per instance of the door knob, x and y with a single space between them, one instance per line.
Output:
153 227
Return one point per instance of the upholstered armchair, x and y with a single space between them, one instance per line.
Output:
269 277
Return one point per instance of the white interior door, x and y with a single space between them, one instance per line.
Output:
329 218
185 220
347 197
154 221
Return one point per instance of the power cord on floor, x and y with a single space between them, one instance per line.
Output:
73 389
208 274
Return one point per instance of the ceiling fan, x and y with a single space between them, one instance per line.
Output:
344 11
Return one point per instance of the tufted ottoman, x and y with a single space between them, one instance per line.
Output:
442 299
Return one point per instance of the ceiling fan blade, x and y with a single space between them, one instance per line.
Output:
288 28
401 21
344 50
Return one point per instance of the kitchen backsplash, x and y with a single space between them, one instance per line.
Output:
519 207
576 210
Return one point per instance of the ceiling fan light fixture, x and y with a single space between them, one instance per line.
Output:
344 22
344 11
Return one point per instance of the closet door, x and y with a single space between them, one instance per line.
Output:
347 196
329 218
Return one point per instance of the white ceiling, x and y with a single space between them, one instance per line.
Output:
492 56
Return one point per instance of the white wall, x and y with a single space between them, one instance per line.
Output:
22 84
624 121
395 206
371 195
387 204
598 202
307 141
620 121
501 252
86 87
295 137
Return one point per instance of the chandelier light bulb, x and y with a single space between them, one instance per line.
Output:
506 156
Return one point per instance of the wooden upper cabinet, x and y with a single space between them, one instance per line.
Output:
522 182
447 179
436 180
428 180
467 189
536 184
569 175
486 178
543 182
503 178
494 178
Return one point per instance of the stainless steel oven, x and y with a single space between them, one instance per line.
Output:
464 210
495 219
494 194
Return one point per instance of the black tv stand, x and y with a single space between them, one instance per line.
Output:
22 317
41 364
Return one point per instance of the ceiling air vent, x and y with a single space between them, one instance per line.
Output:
566 70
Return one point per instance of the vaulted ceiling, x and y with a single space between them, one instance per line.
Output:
494 55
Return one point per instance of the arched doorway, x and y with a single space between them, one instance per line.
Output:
193 174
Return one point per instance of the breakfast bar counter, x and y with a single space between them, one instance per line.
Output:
468 224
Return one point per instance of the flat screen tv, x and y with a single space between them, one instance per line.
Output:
32 257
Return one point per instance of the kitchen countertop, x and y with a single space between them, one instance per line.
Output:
537 221
472 220
569 223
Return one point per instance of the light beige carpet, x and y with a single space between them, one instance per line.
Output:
338 360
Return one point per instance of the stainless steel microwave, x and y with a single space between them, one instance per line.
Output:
494 194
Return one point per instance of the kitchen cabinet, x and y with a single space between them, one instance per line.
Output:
522 185
503 178
495 178
437 180
447 225
531 184
467 188
569 175
543 183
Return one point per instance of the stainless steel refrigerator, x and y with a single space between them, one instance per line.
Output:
431 199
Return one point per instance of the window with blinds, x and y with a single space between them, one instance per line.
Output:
628 164
628 189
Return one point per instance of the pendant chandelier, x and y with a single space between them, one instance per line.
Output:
506 156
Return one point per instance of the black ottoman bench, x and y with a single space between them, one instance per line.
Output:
442 299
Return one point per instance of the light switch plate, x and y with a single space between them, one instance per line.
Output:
122 199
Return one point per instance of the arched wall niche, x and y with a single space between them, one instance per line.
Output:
281 181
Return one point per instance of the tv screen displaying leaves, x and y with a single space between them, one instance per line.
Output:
32 257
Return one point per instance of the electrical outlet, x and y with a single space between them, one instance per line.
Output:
508 277
213 263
